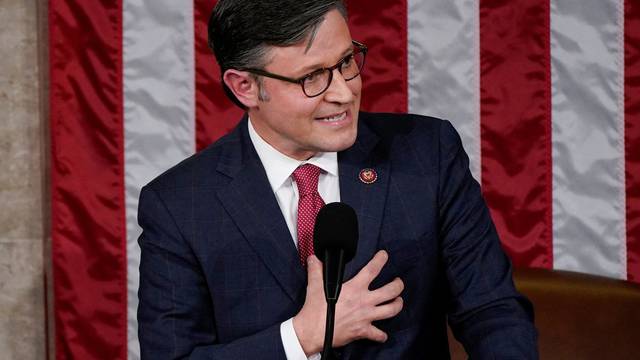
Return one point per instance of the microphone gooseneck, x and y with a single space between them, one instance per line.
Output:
335 240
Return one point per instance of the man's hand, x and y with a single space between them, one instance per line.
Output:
356 309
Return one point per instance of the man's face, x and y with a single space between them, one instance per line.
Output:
295 124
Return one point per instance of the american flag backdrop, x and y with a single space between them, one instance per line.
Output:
545 94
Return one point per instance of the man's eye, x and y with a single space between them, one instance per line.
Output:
313 77
347 62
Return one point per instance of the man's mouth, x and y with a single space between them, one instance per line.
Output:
334 118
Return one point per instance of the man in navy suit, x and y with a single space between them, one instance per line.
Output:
224 273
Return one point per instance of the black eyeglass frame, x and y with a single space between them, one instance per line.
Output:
359 48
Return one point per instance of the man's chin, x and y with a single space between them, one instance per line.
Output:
341 145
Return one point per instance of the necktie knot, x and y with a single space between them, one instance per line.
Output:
306 177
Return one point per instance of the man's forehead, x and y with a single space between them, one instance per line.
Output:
298 60
323 46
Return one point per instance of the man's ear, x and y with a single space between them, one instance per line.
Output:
243 86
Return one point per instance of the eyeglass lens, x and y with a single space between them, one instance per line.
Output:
317 82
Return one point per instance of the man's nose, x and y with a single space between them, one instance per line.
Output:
339 91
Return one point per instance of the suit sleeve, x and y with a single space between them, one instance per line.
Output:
175 314
489 317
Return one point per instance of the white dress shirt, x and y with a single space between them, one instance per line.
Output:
279 168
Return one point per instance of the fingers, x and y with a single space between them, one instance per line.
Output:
388 292
375 334
368 331
358 307
387 311
373 267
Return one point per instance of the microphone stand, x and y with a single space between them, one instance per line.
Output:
327 350
333 269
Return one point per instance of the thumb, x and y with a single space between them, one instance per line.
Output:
314 271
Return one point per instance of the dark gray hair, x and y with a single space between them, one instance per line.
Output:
241 31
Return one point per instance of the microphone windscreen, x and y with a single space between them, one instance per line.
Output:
336 228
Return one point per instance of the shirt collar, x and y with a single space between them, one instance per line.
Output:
279 166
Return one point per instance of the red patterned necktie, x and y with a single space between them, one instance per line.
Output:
309 203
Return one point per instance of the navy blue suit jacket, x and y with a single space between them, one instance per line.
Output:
219 270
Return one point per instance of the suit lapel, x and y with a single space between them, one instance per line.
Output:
368 200
252 205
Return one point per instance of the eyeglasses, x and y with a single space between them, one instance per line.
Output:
317 82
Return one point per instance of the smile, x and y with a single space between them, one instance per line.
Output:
334 118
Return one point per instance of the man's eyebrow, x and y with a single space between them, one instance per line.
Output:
310 68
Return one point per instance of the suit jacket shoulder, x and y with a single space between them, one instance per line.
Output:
209 167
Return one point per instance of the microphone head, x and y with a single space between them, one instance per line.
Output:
336 228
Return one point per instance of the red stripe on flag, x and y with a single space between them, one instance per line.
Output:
632 135
515 108
382 26
87 183
216 115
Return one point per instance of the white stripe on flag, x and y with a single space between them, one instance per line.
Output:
159 124
444 66
588 137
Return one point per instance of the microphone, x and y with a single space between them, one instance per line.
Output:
335 240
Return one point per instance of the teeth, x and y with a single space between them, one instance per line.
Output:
335 118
